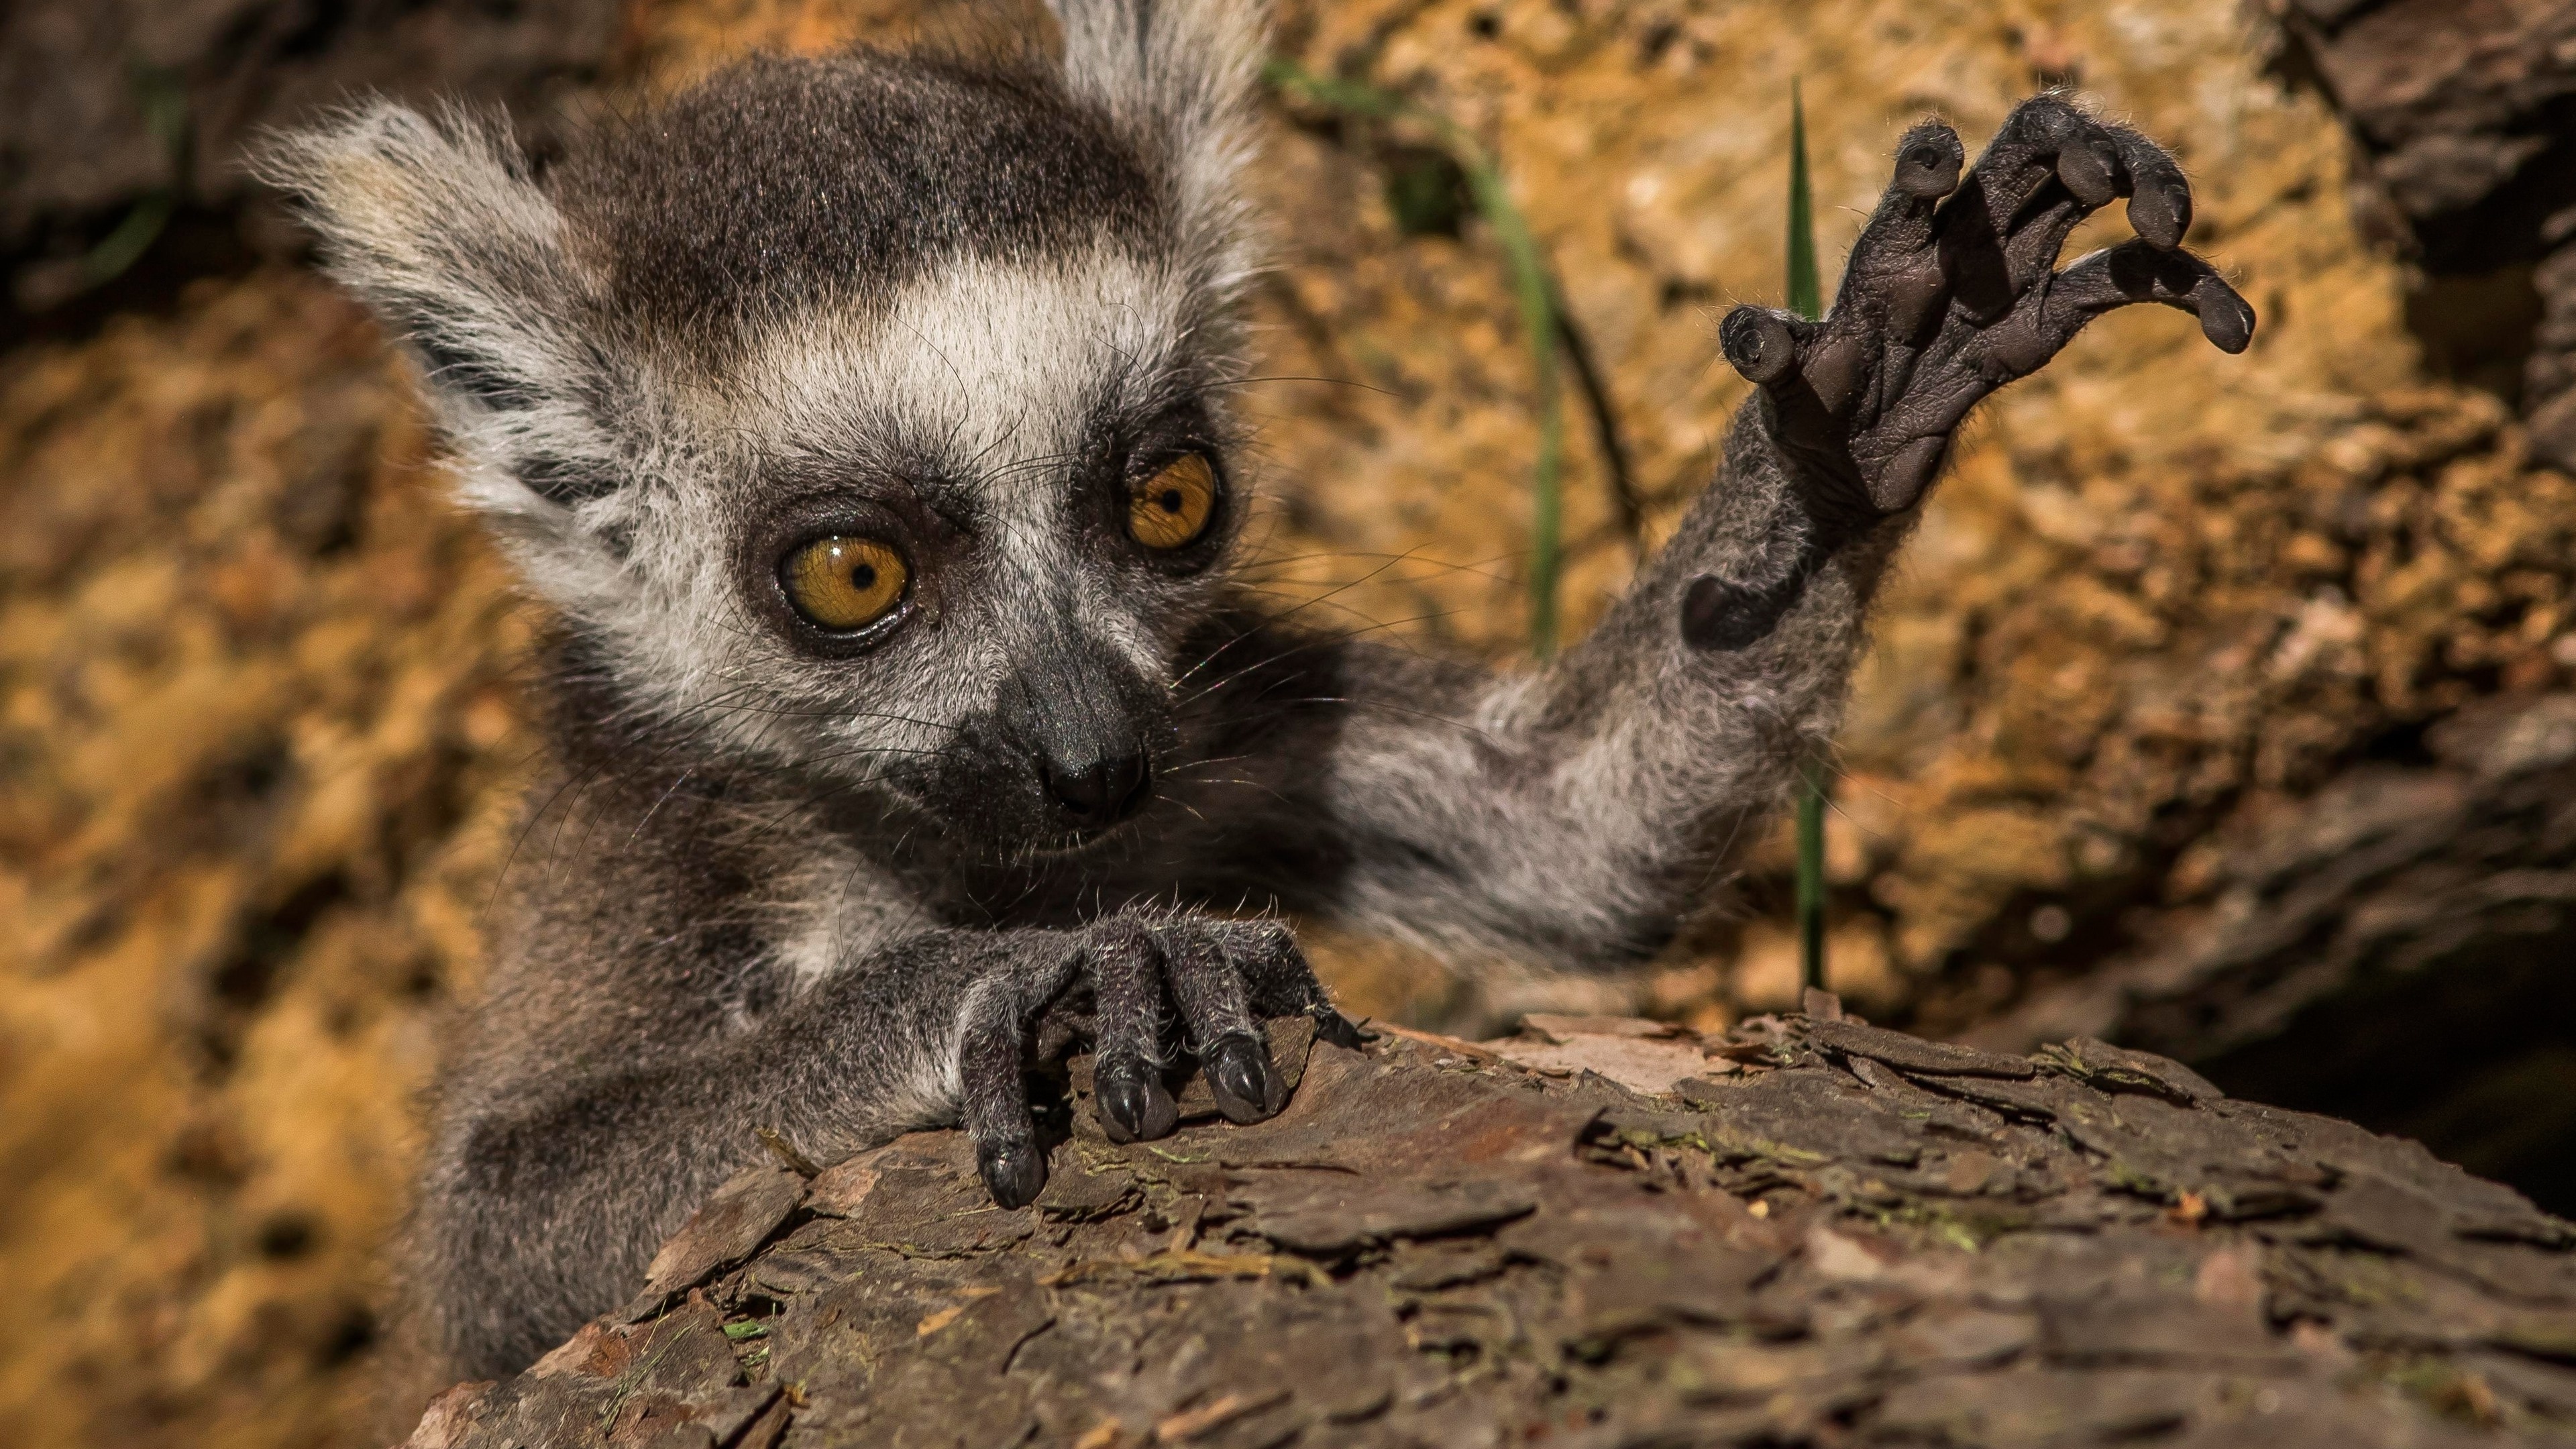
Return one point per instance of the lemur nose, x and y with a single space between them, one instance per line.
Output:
1102 792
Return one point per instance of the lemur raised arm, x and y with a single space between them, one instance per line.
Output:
863 420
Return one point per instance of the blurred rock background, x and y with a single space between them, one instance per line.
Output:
2221 705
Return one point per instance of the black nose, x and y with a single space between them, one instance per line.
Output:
1102 792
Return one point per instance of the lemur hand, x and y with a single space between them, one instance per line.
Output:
1131 970
1945 301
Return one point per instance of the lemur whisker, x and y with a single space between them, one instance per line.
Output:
1216 760
1269 790
1276 618
1260 380
1324 641
1480 569
573 785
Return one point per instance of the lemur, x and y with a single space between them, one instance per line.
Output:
864 420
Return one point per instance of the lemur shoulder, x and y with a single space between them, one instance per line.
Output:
864 422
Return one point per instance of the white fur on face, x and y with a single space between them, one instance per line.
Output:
992 370
999 365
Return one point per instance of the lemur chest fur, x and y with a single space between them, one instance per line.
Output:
836 913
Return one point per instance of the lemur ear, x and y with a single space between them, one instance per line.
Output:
437 225
1181 77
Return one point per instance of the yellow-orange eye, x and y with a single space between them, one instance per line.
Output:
844 583
1172 507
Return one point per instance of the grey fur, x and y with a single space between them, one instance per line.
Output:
836 885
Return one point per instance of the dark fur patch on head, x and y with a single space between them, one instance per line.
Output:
782 184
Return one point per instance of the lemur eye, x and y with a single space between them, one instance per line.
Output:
1172 507
843 583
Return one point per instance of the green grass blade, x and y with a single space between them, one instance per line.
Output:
1538 326
165 114
1806 292
1806 298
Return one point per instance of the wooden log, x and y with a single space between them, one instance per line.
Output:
1825 1236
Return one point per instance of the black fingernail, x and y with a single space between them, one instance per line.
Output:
2161 215
2087 171
1134 1105
1246 1086
1336 1028
1759 344
2228 322
1929 169
1013 1172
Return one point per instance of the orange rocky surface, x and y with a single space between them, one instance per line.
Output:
259 722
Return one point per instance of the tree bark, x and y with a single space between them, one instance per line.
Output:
1816 1231
2396 945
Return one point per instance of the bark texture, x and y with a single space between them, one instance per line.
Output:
2393 948
1810 1231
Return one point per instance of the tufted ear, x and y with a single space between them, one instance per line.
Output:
438 226
1181 78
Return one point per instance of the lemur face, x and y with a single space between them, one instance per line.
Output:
862 413
946 542
949 543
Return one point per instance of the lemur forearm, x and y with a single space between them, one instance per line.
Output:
565 1181
1570 816
563 1185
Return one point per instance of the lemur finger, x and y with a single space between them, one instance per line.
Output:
1126 970
1279 981
1203 983
2098 160
1247 1087
2048 168
2134 271
1762 342
2028 151
1809 371
1929 160
1806 393
2102 159
1894 275
995 1105
1133 1103
2088 166
2159 195
1218 1019
2030 252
